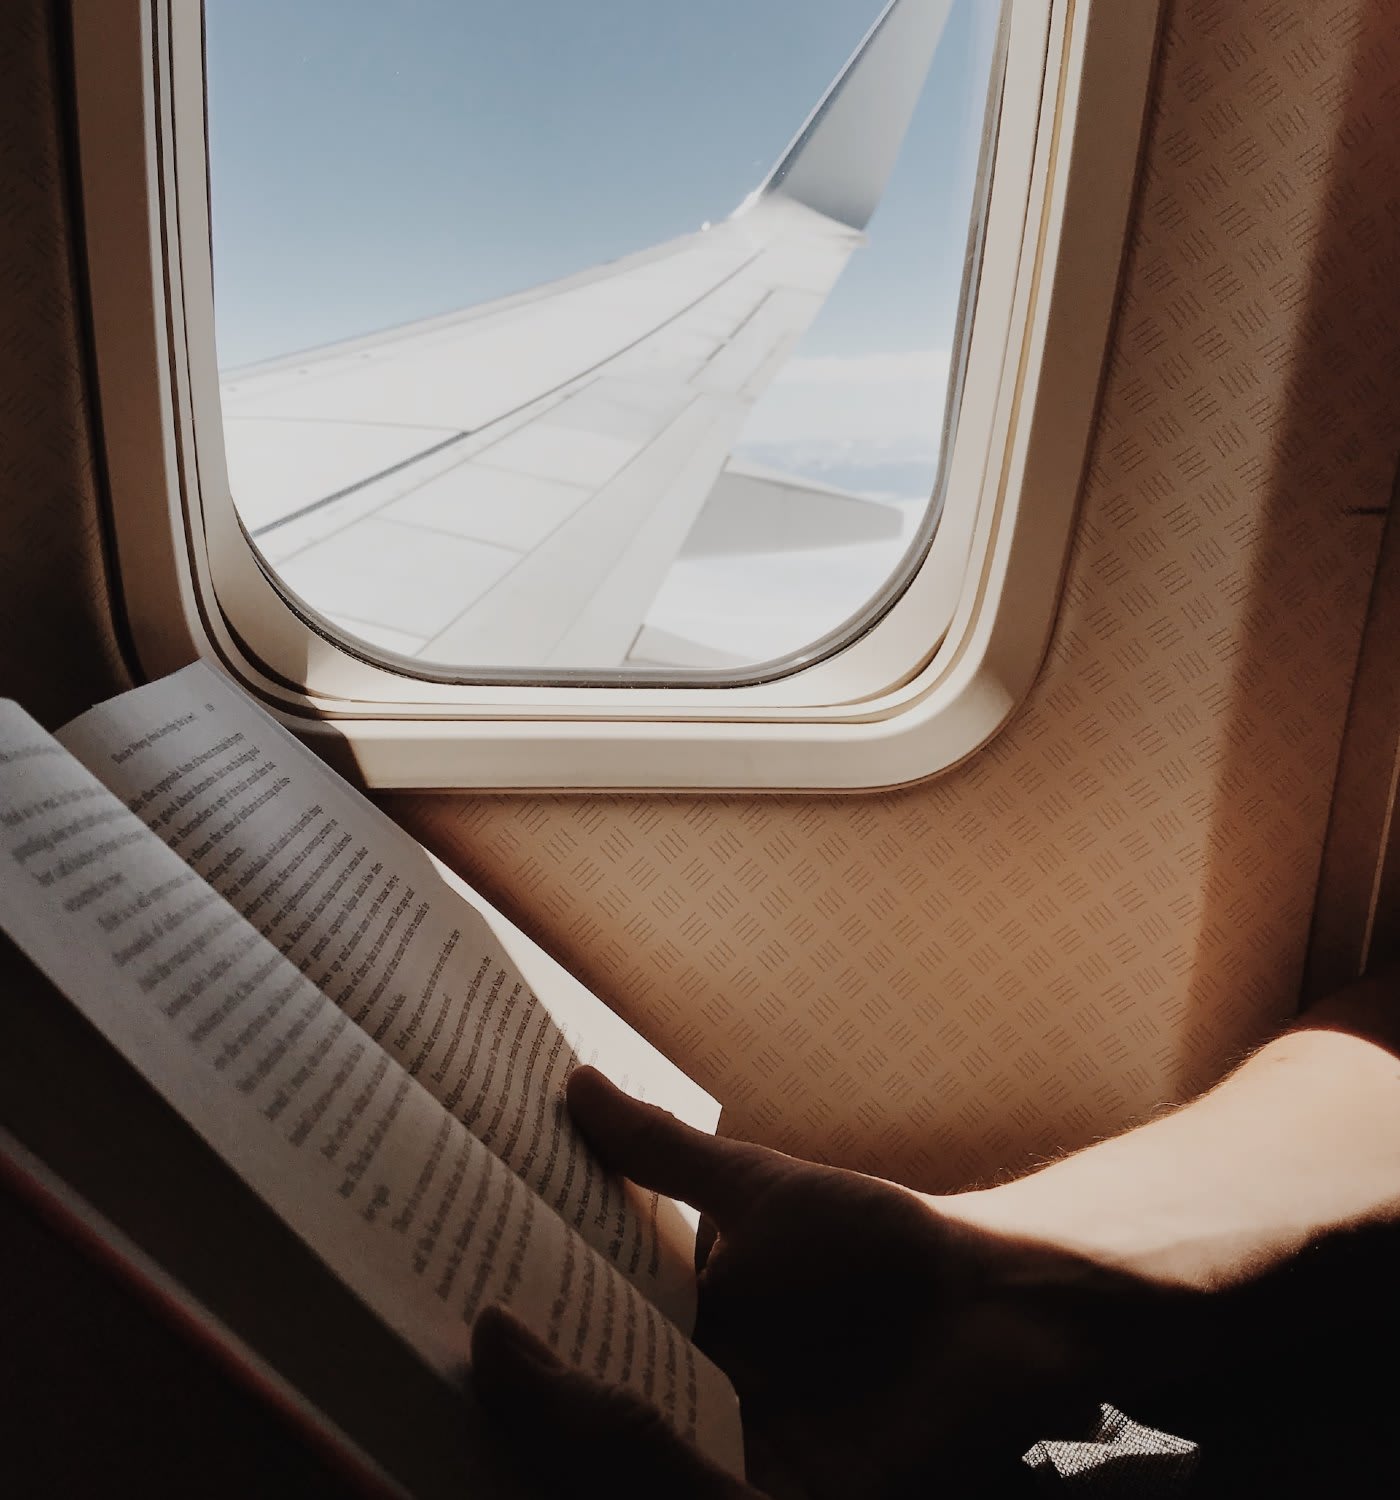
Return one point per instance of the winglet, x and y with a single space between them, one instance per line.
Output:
842 157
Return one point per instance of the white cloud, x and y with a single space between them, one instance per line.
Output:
912 366
892 403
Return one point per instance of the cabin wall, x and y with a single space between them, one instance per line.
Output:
1111 902
58 645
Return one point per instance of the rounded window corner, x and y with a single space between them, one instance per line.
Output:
937 668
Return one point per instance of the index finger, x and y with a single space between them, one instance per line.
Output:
656 1150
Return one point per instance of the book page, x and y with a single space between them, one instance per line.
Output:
387 933
393 1193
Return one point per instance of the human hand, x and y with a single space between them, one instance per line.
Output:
559 1423
878 1344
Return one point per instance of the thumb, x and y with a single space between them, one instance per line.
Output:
562 1424
658 1151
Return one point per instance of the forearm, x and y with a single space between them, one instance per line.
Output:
1222 1237
1300 1142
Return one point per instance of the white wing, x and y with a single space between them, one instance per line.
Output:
508 485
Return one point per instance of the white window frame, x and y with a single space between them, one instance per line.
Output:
923 688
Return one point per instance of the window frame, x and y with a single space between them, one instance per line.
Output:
930 682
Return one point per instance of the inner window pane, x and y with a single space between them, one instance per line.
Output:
542 351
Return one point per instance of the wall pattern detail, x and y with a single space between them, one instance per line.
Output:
1107 905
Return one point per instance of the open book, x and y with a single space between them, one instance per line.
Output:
328 1007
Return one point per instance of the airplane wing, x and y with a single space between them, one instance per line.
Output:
508 485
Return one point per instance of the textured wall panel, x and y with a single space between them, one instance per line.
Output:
59 653
1111 901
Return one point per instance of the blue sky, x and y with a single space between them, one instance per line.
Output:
375 161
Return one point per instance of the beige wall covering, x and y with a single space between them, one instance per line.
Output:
1110 902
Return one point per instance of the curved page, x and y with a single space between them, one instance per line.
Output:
392 1191
365 913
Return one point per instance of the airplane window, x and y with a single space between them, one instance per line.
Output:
592 339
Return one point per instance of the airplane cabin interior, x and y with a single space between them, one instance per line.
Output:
1179 839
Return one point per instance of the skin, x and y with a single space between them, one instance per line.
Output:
887 1343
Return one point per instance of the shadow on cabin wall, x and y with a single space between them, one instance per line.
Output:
58 648
1109 903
